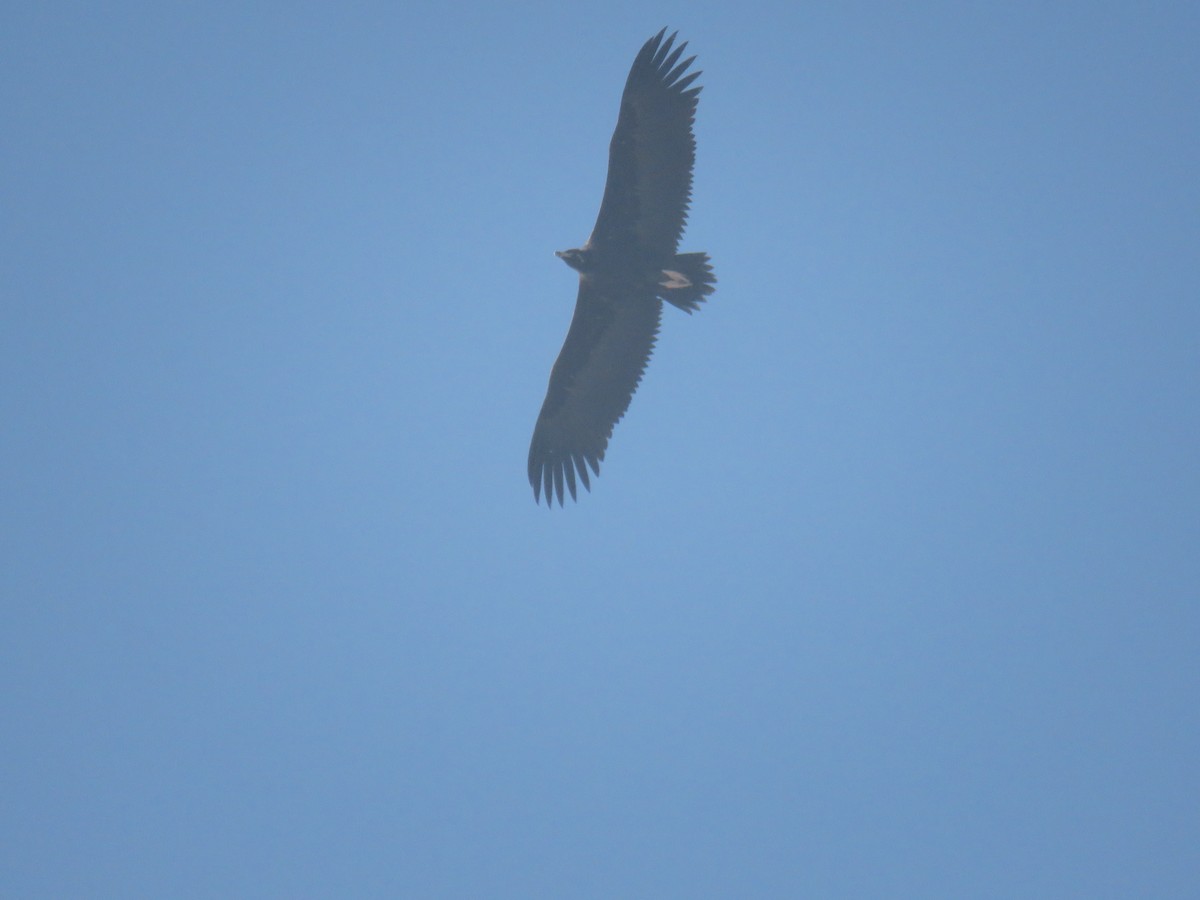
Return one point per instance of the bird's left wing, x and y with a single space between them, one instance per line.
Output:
652 152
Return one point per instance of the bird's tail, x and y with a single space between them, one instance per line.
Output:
687 281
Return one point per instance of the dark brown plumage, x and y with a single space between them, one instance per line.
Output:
627 268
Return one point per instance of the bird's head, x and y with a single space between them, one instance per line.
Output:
578 259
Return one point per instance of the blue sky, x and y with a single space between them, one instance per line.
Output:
889 585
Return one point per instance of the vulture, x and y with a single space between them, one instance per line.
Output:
628 266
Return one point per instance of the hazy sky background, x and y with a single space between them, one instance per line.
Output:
889 586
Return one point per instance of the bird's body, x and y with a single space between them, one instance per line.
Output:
628 266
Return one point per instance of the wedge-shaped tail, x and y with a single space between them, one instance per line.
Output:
687 281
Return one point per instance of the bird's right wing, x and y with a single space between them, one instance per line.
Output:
593 380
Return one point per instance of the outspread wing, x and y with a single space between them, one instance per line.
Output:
597 371
651 155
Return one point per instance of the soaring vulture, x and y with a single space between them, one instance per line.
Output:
627 268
